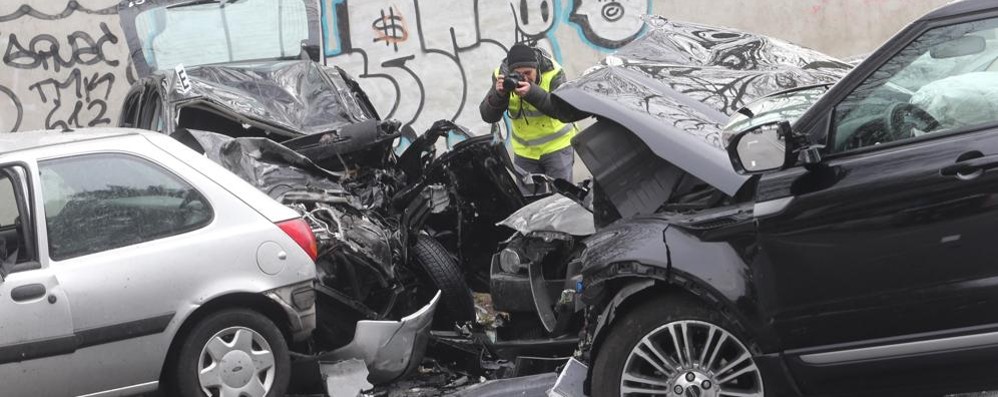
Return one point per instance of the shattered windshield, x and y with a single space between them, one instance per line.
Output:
211 31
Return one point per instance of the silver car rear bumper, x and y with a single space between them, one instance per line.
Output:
298 302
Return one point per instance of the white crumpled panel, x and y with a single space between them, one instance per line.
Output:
960 101
555 213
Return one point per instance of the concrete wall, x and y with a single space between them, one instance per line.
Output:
840 28
65 63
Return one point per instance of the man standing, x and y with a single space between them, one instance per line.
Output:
542 144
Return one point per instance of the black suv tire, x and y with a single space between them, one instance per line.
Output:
708 336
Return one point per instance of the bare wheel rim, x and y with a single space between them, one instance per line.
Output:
690 358
236 362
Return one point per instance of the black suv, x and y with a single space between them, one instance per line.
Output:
852 249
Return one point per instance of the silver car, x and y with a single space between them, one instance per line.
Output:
129 262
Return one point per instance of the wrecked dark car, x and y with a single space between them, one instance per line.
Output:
841 245
306 135
395 220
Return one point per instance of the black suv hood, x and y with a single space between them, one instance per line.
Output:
676 87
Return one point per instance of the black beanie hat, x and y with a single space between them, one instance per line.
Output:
520 56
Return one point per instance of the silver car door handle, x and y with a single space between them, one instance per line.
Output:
27 292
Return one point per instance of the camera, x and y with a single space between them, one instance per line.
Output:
511 81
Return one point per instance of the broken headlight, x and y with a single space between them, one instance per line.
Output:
509 260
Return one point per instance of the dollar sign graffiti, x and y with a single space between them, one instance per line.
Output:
390 28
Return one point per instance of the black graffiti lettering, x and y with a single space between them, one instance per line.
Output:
17 107
390 28
85 93
99 118
95 50
19 57
73 120
44 51
71 7
613 11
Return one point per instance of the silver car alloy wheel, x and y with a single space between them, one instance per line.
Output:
691 359
236 362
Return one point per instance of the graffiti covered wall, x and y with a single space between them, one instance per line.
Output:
427 60
65 62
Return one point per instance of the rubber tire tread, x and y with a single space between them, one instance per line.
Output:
186 365
456 300
628 330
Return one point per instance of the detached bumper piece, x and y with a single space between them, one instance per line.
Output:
390 349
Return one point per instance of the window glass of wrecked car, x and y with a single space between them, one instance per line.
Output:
8 207
218 31
99 202
945 79
9 235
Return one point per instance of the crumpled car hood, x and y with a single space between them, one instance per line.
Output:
302 97
267 165
675 88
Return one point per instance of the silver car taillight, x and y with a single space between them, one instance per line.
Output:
301 233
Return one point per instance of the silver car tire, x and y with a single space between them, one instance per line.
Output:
675 346
233 353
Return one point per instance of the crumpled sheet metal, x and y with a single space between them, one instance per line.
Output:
676 68
345 378
555 213
677 86
293 95
571 380
267 165
391 349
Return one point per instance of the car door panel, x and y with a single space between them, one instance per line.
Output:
46 328
131 299
36 328
881 247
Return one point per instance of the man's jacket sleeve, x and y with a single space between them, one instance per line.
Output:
549 105
494 105
542 99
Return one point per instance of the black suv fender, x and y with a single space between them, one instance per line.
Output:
627 260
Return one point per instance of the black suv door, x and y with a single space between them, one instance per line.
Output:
883 261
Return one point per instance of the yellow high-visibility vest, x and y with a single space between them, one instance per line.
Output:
534 133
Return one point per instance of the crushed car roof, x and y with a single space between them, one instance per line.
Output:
677 86
299 96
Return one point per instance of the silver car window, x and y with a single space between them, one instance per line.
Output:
8 207
99 202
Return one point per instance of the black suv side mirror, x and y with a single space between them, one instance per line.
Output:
765 148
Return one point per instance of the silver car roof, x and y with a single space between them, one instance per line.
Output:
18 141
